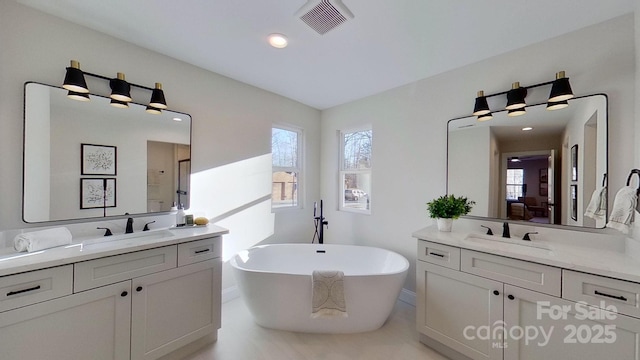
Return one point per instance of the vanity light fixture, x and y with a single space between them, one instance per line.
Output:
516 112
120 88
119 104
74 79
560 93
557 105
561 89
481 107
78 96
75 82
515 97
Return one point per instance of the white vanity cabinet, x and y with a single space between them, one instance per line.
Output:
138 305
485 306
93 324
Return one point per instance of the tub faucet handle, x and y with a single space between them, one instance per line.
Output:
526 236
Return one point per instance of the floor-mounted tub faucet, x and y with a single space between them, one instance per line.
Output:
320 223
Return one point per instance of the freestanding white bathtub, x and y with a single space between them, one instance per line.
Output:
275 282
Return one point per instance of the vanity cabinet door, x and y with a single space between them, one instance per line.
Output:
569 335
175 307
93 324
454 307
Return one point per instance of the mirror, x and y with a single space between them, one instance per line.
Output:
89 159
541 167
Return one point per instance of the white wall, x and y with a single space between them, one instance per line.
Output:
231 120
409 125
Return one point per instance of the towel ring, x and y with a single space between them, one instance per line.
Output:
637 172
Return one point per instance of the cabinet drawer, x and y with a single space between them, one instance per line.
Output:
443 255
537 277
602 291
196 251
35 286
112 269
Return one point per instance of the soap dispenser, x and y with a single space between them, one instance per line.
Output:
180 216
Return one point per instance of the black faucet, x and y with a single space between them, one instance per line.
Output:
505 230
129 229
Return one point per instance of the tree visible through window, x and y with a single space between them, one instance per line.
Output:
285 154
515 180
355 170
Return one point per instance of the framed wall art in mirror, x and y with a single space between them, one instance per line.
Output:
533 159
66 140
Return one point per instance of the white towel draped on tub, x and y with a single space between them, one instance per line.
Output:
597 207
328 294
624 208
42 239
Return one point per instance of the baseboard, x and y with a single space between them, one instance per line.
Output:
231 293
408 297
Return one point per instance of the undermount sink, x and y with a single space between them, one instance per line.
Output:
134 237
481 238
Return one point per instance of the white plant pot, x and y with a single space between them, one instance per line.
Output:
444 224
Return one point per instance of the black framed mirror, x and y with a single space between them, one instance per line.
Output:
541 167
73 148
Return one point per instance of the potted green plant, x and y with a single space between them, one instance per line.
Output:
448 207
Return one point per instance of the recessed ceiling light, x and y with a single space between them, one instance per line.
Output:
527 128
177 119
278 41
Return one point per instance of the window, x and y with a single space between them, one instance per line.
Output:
515 182
286 149
355 170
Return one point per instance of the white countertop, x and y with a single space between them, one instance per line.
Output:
579 258
12 262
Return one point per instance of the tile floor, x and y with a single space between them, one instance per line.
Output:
241 339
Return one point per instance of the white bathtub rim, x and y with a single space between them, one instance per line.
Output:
233 262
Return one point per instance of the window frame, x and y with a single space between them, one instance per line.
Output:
298 169
507 184
342 171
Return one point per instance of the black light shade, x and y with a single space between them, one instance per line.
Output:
151 110
561 89
120 89
78 96
119 104
515 97
481 107
516 112
157 98
557 105
74 79
485 117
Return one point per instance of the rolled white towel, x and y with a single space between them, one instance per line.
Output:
624 208
597 207
42 239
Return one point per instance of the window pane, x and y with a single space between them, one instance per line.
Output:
284 147
357 190
357 150
284 189
515 180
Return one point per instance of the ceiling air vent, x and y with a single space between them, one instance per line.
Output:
324 15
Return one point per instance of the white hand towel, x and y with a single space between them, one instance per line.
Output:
328 294
42 239
597 207
624 208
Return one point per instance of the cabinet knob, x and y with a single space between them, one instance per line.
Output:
124 293
496 292
139 288
511 297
